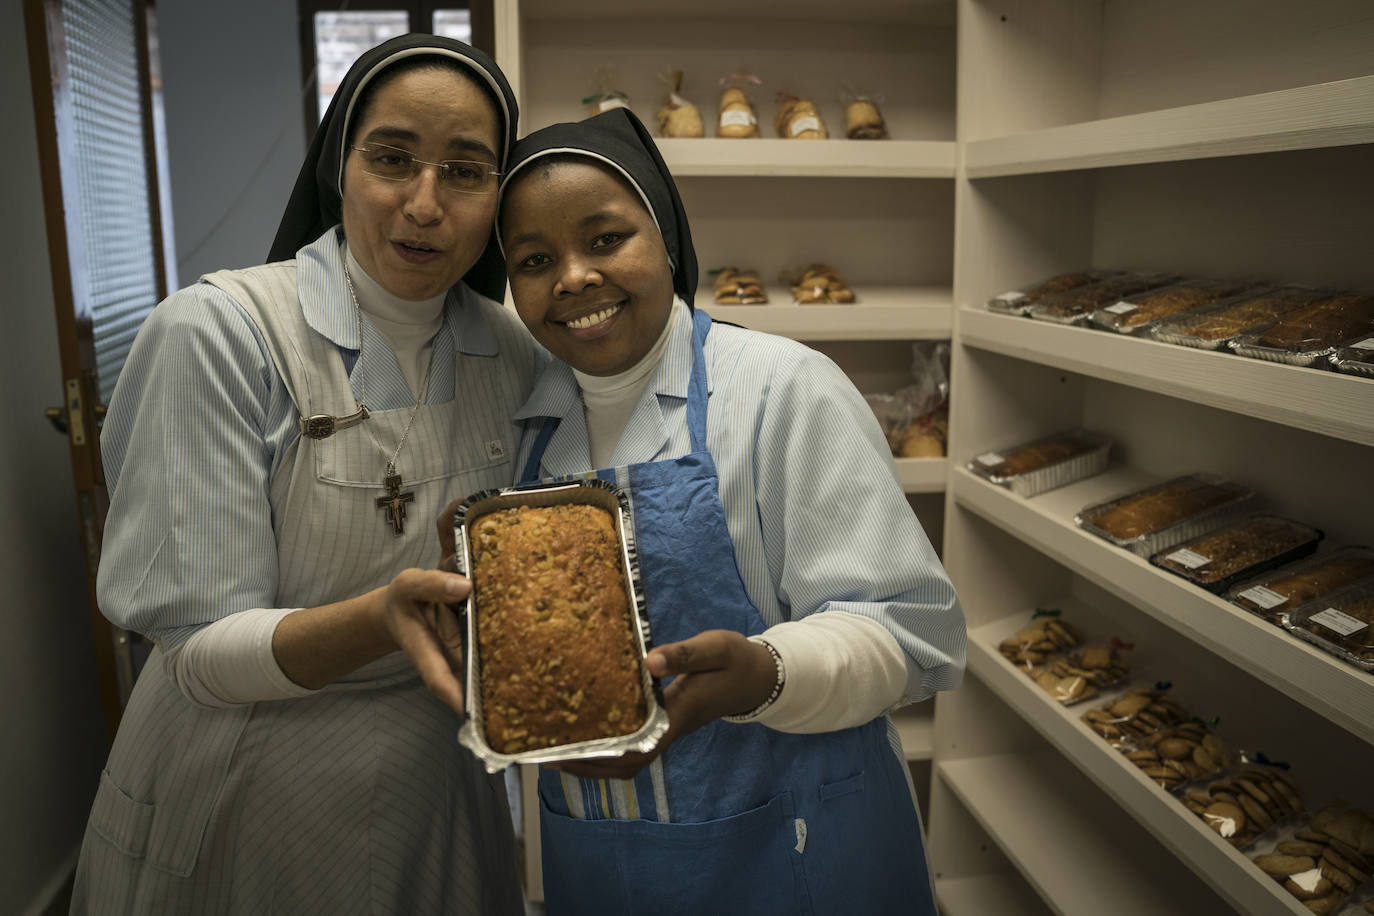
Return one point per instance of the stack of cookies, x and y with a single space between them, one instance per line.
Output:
1129 719
1323 863
1176 755
819 284
1033 645
739 287
1242 807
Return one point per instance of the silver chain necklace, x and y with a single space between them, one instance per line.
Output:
394 503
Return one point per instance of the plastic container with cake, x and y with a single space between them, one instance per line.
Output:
1355 357
557 627
1019 301
1309 335
1342 623
1243 549
1148 520
1214 326
1077 305
1139 312
1044 464
1280 590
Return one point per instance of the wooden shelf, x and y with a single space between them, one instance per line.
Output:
1004 894
833 158
1226 869
916 724
922 475
1338 113
919 12
1324 402
882 313
1035 806
1323 683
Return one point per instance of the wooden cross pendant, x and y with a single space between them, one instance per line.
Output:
395 504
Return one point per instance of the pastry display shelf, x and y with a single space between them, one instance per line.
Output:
1338 113
882 313
1226 869
1329 403
1329 687
1041 812
832 158
978 895
922 475
897 11
915 725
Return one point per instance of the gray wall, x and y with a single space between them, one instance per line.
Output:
235 140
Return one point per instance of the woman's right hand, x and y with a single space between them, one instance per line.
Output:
417 613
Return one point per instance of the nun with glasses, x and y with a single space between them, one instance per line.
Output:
277 447
792 595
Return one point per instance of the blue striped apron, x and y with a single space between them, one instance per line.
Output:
732 818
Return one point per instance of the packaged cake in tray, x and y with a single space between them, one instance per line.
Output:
1342 623
1272 594
557 628
1355 358
1136 313
1214 326
1019 301
1218 559
1148 520
1077 305
1043 464
1309 335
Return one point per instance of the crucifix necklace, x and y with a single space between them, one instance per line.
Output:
394 502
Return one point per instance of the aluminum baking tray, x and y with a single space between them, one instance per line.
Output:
1077 305
1138 313
614 500
1236 500
1019 301
1313 350
1341 623
1091 460
1257 309
1352 564
1356 358
1283 541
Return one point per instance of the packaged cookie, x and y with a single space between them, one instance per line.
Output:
1355 358
1324 861
1341 623
735 286
1043 464
678 117
1077 305
1309 335
799 119
1177 756
1034 644
818 284
1247 805
1149 520
1272 594
737 119
1125 721
1138 312
863 121
553 672
1213 327
1218 559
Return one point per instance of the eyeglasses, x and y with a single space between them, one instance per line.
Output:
454 174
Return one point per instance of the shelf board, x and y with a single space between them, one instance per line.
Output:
1227 870
916 726
1338 113
915 12
1321 682
1031 803
882 313
1005 894
833 158
922 475
1329 403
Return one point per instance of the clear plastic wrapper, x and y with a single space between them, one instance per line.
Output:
1342 623
1248 806
1043 638
1180 755
1138 312
818 284
1081 673
1214 326
1309 335
799 119
473 733
1019 301
1280 590
1325 861
915 417
1044 464
1077 305
1149 520
1126 721
1355 358
862 119
739 286
1240 550
737 119
678 117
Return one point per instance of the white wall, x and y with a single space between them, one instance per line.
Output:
53 734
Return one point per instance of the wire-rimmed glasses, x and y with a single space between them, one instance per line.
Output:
395 164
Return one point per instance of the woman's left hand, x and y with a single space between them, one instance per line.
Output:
716 673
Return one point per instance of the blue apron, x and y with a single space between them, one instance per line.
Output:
732 818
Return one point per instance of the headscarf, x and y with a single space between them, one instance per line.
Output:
316 201
618 139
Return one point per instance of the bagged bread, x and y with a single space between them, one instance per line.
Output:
739 287
799 119
737 118
818 284
679 117
863 121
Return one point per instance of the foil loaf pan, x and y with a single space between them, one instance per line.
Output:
614 500
1236 499
1090 460
1339 623
1259 543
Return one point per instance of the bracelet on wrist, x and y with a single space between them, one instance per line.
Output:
773 694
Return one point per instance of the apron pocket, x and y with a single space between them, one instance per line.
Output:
746 863
119 819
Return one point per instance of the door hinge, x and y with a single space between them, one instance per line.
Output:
76 424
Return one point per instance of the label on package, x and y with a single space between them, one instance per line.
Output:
1121 308
1341 623
608 104
1013 296
988 459
1366 344
737 118
1263 597
1185 557
804 124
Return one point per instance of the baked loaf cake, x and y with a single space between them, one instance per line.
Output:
559 660
1361 642
1325 323
1243 316
1237 547
1312 581
1037 455
1171 301
1147 512
1081 301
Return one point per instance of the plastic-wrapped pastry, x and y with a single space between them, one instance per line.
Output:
799 119
737 118
739 287
679 117
819 284
863 121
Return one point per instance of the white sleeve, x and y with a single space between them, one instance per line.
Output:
230 662
842 670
